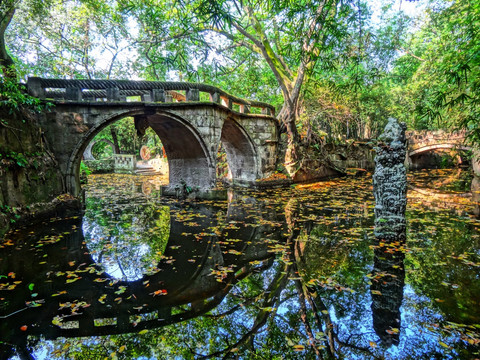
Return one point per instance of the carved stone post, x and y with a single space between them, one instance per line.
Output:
113 94
390 191
226 101
73 93
266 111
158 95
390 183
215 97
192 95
244 109
35 87
146 97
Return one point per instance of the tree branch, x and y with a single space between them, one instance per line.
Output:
271 298
408 52
6 62
304 318
252 47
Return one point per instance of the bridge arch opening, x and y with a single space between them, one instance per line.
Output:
99 149
240 153
118 140
189 161
438 156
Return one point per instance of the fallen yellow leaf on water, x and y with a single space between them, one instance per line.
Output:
72 280
298 347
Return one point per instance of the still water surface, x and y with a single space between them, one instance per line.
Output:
289 274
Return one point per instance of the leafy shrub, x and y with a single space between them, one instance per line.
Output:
14 96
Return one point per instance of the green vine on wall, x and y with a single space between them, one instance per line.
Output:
11 212
14 97
18 159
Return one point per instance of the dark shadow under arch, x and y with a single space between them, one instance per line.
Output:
241 154
189 160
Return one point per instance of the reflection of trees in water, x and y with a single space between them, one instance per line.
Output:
289 316
329 268
245 309
444 263
127 239
187 274
266 279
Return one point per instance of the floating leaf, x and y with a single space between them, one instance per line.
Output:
269 309
159 292
444 345
121 290
72 280
298 347
57 321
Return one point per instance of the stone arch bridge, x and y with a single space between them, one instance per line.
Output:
190 119
421 142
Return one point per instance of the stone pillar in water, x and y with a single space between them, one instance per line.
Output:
390 191
390 183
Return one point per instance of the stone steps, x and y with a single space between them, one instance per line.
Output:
146 170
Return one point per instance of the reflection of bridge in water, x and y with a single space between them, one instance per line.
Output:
72 296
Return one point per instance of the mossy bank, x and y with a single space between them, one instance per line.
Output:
30 182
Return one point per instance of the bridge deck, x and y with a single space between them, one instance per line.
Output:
149 91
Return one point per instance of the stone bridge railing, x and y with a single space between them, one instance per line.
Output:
148 91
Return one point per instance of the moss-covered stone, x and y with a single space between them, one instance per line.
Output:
28 171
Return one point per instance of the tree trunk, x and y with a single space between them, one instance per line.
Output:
7 9
288 119
113 132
